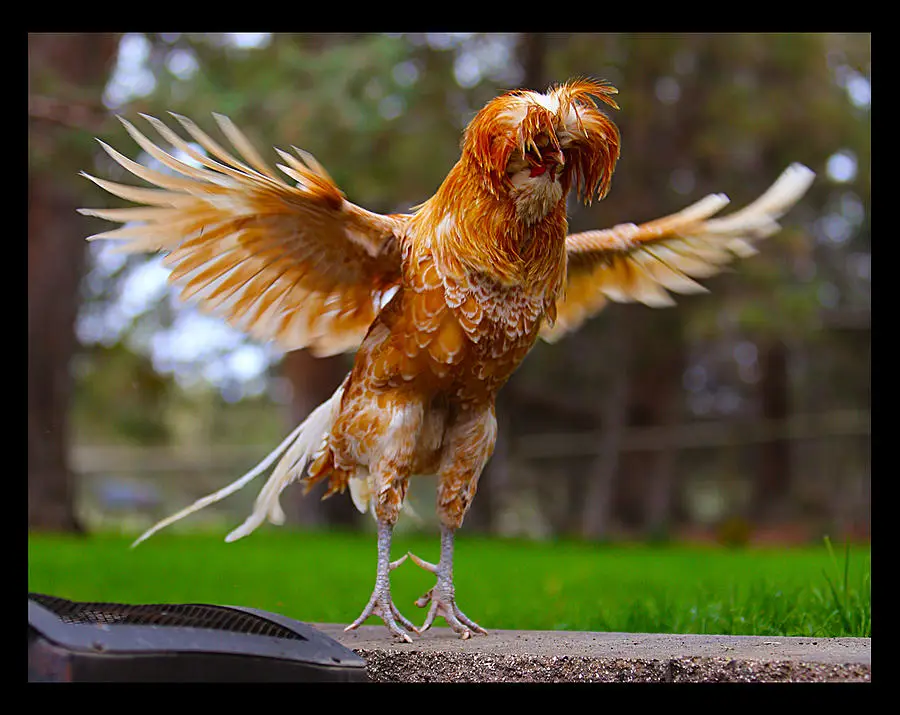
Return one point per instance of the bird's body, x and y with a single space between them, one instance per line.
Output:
438 352
441 304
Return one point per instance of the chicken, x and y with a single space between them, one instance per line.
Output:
441 304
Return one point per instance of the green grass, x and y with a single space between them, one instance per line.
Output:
327 577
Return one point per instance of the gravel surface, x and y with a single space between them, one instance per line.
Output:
577 656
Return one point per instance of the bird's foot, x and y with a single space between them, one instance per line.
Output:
443 603
381 605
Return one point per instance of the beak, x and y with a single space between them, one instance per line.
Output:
553 157
553 161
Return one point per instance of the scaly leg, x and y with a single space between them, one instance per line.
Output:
468 444
380 604
442 596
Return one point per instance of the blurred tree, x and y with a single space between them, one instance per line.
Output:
773 480
131 394
594 509
66 74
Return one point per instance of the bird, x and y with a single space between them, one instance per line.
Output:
440 304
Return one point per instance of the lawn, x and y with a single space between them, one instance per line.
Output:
327 577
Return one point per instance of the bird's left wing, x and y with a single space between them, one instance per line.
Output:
641 263
291 262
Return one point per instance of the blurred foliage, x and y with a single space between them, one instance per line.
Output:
124 387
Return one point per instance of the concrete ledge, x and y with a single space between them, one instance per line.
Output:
578 656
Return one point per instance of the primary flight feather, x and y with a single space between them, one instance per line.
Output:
441 304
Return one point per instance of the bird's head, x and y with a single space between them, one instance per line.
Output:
534 147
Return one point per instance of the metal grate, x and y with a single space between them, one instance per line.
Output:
215 618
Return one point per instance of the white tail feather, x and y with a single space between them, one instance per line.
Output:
300 444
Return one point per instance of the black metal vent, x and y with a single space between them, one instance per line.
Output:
186 642
183 615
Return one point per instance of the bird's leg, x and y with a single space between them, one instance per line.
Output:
442 596
468 444
389 466
380 604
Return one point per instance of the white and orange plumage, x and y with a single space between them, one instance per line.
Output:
441 304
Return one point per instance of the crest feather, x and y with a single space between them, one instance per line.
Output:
594 149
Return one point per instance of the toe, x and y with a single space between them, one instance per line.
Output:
469 622
403 620
398 633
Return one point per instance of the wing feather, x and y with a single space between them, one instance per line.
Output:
292 262
629 263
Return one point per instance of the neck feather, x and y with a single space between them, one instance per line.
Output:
473 229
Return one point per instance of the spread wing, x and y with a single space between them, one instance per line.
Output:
641 263
295 263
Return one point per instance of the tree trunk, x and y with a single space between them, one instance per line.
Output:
598 493
75 64
645 479
773 480
659 493
55 257
532 55
313 380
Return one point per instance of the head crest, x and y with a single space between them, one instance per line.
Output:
568 115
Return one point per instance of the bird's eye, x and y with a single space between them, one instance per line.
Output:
516 164
541 140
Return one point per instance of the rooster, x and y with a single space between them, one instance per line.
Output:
441 304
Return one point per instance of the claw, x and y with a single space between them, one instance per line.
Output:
395 564
441 597
427 565
443 604
390 616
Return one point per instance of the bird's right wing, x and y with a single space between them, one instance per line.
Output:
641 263
293 263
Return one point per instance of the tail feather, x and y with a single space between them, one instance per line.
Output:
301 446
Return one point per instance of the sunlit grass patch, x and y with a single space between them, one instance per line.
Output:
506 584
